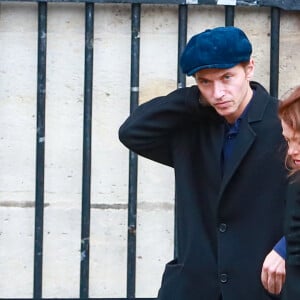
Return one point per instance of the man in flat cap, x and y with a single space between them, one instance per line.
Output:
223 139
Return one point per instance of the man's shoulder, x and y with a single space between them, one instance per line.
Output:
260 91
191 91
264 106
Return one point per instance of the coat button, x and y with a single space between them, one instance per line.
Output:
223 278
222 227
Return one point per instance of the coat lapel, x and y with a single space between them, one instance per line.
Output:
247 135
243 143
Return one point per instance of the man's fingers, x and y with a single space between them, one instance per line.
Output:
273 273
280 278
275 282
264 278
272 280
271 284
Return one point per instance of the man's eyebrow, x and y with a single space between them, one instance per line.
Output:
226 72
202 78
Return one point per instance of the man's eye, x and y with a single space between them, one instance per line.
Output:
203 81
226 77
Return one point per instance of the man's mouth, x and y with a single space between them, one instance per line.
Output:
223 104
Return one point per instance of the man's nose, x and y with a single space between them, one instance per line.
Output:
218 90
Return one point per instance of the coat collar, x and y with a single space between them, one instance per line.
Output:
256 111
260 102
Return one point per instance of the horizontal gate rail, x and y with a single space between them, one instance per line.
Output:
287 4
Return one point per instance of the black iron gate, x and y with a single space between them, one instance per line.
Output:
183 6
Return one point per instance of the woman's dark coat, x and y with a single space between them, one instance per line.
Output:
226 225
292 234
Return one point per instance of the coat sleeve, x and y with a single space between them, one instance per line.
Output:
148 131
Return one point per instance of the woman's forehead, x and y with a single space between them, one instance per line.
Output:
288 131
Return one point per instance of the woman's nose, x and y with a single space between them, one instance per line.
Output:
292 149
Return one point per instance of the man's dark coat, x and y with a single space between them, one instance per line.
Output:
226 224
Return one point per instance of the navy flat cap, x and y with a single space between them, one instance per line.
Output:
217 48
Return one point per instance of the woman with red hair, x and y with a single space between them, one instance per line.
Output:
289 113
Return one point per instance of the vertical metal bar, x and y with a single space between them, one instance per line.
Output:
40 150
87 142
182 37
133 162
274 51
181 83
229 15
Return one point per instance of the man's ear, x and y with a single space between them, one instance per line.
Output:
250 69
